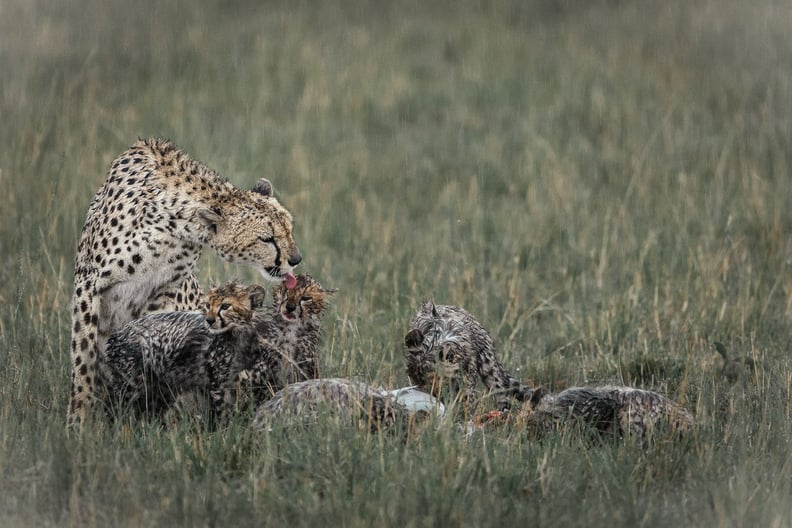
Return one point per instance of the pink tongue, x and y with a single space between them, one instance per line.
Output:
290 281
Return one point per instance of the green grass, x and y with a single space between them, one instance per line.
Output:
606 185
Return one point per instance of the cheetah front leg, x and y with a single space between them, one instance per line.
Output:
85 352
304 367
263 380
241 391
230 395
469 395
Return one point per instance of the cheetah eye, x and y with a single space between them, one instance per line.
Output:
225 306
306 298
267 240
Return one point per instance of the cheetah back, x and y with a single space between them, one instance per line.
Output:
346 399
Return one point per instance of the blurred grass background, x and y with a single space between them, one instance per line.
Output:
605 184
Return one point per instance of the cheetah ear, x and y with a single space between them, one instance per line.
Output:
210 218
257 295
414 338
434 311
537 396
263 186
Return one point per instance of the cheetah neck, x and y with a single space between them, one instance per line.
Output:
292 334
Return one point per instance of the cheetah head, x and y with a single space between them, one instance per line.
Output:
449 369
433 365
307 298
232 305
450 359
253 228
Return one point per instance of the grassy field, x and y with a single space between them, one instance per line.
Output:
605 184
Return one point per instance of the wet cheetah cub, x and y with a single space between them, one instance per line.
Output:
349 401
286 347
152 361
447 348
621 411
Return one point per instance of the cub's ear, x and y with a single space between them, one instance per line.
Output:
263 186
257 295
414 338
537 396
210 218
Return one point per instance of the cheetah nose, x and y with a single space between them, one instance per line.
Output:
295 258
291 306
210 321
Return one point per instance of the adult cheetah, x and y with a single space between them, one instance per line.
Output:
144 232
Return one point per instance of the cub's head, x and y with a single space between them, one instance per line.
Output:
306 299
231 305
253 228
433 366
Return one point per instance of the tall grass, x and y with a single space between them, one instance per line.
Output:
604 184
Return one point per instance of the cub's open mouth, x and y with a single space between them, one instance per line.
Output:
289 280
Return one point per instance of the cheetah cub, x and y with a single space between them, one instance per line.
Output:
229 353
346 400
349 401
621 411
152 361
286 346
447 349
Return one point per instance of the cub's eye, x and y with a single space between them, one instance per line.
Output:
225 306
267 239
305 298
